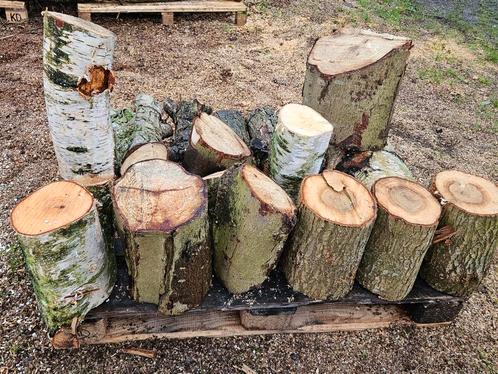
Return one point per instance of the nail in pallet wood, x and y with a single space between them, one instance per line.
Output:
272 308
15 11
168 9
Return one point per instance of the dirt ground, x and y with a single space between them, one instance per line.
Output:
445 117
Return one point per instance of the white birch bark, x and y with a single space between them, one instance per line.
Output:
77 60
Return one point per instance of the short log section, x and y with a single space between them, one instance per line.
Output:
298 146
59 232
77 58
161 212
352 79
407 218
149 151
467 236
253 217
336 216
214 146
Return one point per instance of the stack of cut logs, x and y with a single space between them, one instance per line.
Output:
309 188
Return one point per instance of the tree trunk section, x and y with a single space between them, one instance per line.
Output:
467 237
336 216
77 58
236 121
253 217
352 79
60 234
161 212
407 219
149 151
261 123
212 183
214 146
298 146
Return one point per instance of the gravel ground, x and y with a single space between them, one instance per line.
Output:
444 118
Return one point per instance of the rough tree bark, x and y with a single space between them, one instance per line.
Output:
212 183
261 123
352 79
336 216
144 152
370 166
236 121
298 146
407 219
77 78
60 234
213 146
161 212
467 237
252 219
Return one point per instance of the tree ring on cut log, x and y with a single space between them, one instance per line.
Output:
407 200
339 198
471 193
144 152
171 201
51 207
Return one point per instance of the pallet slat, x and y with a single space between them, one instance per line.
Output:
15 11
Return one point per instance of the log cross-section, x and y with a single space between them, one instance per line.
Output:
161 212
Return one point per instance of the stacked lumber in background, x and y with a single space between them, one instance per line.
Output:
202 192
15 11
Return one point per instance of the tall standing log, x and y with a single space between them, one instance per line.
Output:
60 235
298 146
144 152
352 79
336 216
213 146
407 219
161 212
370 166
467 237
253 217
77 78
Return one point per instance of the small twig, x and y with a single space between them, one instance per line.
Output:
7 36
443 234
140 352
246 369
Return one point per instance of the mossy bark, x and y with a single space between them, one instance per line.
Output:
248 235
70 269
393 256
322 257
102 194
458 264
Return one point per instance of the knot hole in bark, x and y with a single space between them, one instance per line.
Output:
96 81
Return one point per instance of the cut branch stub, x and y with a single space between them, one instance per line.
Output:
145 152
60 234
77 60
213 146
161 212
404 229
469 223
352 79
336 216
298 146
252 219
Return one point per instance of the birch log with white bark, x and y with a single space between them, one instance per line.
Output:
60 234
77 78
352 79
298 146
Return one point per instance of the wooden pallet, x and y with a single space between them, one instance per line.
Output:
168 9
15 11
272 308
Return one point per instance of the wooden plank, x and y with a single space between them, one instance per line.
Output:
16 15
306 319
167 18
240 18
12 4
87 16
175 6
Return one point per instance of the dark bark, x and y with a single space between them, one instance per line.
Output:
236 121
261 123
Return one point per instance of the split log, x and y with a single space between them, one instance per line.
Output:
336 216
213 146
368 167
407 219
183 114
161 212
77 58
253 217
61 237
212 183
145 152
467 236
352 79
236 121
261 123
298 146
